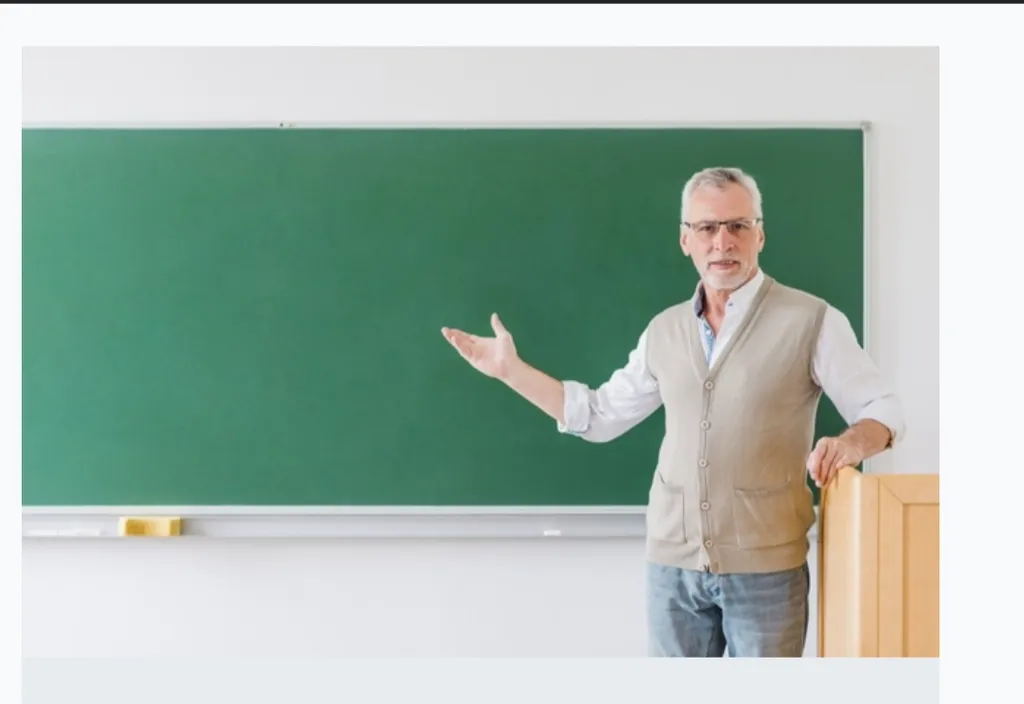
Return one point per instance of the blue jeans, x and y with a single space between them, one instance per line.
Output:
700 614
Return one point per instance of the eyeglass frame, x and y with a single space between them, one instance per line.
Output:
718 224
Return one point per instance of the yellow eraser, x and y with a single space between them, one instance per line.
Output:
158 526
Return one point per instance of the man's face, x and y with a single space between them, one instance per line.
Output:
723 236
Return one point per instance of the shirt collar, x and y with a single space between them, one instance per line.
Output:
739 300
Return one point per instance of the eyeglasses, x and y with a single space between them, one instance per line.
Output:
738 227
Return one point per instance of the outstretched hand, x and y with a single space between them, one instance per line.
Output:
492 356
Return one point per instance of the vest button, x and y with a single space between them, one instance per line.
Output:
703 463
704 424
708 543
709 384
705 505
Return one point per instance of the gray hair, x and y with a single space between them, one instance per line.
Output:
720 177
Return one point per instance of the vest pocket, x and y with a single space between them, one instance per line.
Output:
767 518
666 515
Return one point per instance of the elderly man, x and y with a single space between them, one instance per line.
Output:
740 369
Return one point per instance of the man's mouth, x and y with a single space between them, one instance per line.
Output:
724 264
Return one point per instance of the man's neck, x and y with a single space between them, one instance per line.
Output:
715 301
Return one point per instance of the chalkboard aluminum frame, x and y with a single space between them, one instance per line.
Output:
419 522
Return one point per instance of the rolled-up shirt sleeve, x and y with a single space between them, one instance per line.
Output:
851 379
628 397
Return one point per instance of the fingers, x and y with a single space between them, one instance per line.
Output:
453 335
828 457
497 326
823 461
828 463
827 472
457 336
815 459
474 348
845 457
461 341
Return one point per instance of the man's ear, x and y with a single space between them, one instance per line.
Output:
683 244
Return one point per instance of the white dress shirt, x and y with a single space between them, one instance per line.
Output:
843 370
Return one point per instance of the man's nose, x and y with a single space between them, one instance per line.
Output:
723 239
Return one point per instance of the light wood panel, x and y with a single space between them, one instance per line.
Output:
878 566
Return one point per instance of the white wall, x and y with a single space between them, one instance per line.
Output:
469 597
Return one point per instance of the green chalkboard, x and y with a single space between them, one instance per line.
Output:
252 316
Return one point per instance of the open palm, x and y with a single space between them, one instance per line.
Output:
492 356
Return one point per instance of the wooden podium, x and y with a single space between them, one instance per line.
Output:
878 566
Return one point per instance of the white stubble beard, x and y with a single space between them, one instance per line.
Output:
727 282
